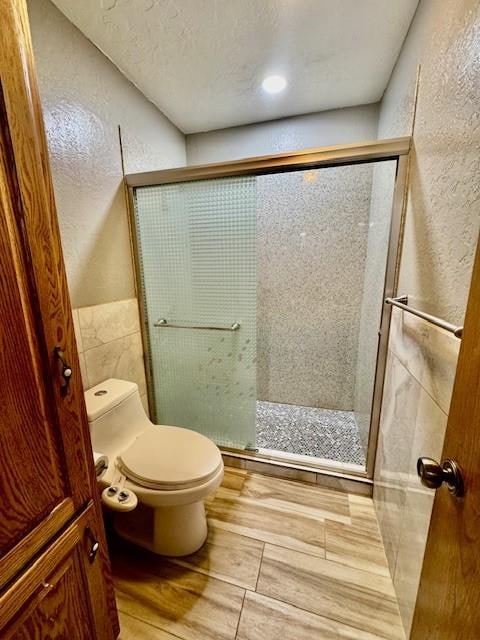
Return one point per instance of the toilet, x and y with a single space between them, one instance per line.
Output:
168 470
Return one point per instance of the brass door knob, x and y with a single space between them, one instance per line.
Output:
433 475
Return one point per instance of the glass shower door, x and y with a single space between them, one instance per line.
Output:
197 255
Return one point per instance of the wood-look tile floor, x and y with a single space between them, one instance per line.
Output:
282 560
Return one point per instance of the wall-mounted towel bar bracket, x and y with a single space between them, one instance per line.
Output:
402 303
163 322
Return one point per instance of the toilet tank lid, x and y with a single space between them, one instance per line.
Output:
106 395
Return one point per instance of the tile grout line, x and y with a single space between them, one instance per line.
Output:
318 615
259 567
274 544
224 579
278 509
333 563
420 384
240 614
149 624
283 505
103 344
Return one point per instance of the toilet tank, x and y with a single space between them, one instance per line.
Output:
115 415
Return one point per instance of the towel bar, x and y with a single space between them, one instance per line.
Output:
163 322
402 303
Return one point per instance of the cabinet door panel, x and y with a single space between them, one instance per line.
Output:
13 561
59 595
62 612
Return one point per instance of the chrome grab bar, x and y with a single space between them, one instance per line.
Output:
163 322
402 303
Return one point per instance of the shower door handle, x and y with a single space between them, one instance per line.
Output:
163 322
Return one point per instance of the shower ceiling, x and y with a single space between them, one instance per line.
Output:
202 62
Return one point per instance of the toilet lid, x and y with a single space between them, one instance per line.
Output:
170 458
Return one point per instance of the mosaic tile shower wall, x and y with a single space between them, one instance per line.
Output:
312 234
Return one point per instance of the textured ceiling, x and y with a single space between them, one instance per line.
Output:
202 61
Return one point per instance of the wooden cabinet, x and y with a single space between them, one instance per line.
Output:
56 597
49 511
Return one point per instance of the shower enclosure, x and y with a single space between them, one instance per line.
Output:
262 285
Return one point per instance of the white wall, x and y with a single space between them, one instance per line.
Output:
339 126
84 99
440 238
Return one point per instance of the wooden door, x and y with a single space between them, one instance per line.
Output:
46 472
46 467
448 603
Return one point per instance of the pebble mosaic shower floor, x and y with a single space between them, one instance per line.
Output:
308 431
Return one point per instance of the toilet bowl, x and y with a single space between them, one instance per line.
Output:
171 470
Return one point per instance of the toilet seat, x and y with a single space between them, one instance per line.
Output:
170 458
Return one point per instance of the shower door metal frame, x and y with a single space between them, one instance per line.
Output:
397 149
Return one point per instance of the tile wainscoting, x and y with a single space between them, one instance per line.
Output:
418 386
110 344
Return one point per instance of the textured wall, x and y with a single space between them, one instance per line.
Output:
219 51
312 232
84 99
339 126
440 238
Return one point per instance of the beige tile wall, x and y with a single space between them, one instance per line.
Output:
110 343
418 386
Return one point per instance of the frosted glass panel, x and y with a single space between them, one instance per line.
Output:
197 253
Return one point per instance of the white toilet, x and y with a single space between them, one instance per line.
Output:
169 469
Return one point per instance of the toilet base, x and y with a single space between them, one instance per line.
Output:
168 531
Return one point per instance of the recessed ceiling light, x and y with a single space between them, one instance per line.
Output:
274 84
